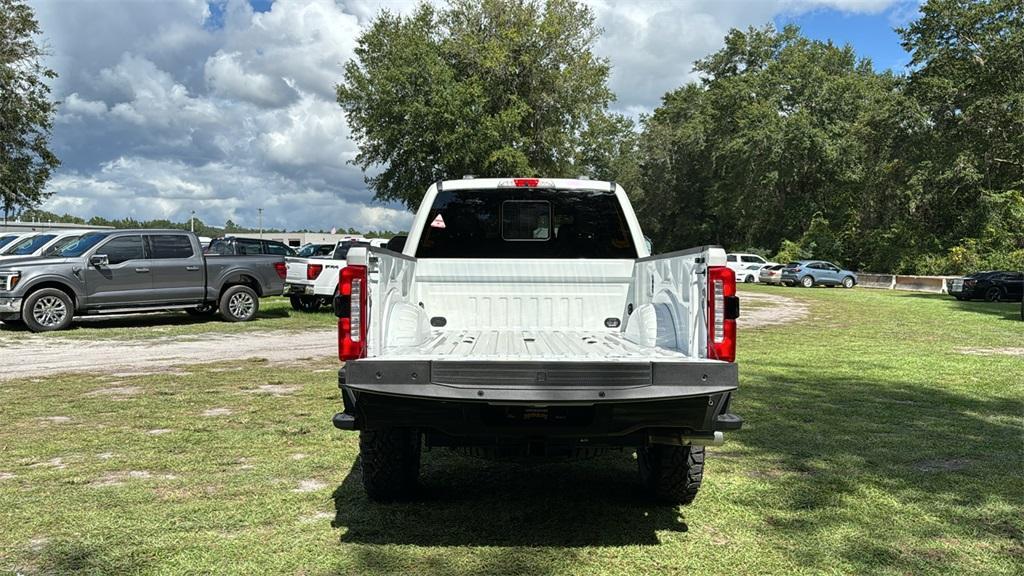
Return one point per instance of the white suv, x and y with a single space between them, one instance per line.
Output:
746 266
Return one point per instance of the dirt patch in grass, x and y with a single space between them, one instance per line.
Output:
770 310
992 351
275 389
55 419
948 465
116 391
6 476
122 477
57 463
158 431
38 357
213 412
310 486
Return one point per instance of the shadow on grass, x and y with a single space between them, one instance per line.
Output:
148 320
828 444
471 502
1007 310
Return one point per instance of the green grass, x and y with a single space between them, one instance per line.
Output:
275 314
871 446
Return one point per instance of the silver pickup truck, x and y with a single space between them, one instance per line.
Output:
121 271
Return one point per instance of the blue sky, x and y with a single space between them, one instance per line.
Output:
872 35
170 106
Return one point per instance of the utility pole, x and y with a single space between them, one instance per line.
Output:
261 223
192 222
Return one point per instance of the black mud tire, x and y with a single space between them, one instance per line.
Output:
390 462
56 310
961 297
305 303
671 474
202 311
239 303
15 324
994 294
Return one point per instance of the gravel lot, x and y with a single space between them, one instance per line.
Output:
33 356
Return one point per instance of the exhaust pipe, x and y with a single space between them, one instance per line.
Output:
714 439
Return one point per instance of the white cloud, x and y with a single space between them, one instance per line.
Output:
172 106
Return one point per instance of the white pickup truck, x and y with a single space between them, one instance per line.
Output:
313 275
525 317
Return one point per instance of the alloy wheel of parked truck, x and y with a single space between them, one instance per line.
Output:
525 318
127 271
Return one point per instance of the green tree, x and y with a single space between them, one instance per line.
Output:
26 111
491 88
767 140
968 78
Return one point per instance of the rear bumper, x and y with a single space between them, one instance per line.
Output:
292 289
480 402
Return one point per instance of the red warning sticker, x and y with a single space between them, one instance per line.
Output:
438 222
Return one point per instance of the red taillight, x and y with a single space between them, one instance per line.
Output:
350 306
526 182
282 269
313 271
722 310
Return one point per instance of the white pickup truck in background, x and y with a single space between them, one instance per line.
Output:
313 277
525 317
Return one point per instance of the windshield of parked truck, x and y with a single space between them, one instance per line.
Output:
82 245
61 244
5 240
526 223
29 245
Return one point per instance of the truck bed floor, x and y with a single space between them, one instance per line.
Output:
537 345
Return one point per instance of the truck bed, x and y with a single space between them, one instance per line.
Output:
530 345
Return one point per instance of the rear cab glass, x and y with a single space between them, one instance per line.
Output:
526 223
169 246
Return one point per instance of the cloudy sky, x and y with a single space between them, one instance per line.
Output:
224 107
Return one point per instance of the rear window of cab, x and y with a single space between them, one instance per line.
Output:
526 223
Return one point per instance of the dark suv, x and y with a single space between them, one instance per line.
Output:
232 246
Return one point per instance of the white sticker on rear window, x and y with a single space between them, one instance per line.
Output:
438 222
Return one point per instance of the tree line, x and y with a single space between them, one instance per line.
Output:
201 228
786 146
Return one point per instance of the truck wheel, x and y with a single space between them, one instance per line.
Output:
239 304
296 303
994 294
671 473
807 282
47 309
390 462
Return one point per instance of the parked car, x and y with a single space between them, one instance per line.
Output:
232 246
746 266
134 271
993 285
40 244
770 274
809 273
525 317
